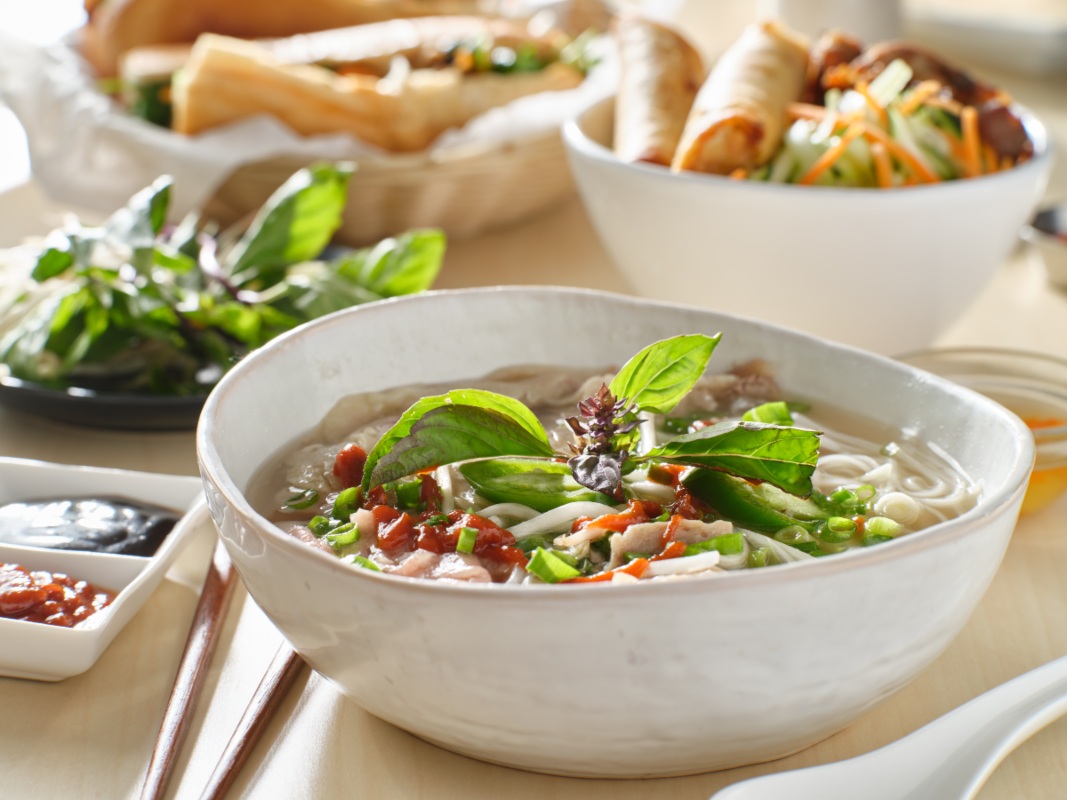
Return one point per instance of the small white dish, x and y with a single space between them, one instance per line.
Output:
45 652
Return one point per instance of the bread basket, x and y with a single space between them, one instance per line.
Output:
86 151
464 191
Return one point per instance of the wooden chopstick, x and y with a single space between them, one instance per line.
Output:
192 670
276 683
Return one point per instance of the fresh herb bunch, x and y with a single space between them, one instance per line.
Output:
136 305
507 452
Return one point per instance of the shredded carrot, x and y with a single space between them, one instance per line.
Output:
672 550
739 174
636 568
990 162
953 107
876 107
972 165
883 168
806 111
830 157
921 172
1035 423
919 95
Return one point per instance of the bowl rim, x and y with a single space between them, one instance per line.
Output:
577 141
988 507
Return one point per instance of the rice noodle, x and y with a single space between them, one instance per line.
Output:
560 517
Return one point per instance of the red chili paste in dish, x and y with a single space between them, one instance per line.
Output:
49 597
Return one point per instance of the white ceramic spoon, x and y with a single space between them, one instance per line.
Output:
949 759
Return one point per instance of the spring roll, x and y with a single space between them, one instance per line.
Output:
661 73
738 118
227 80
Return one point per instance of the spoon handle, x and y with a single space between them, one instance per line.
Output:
991 726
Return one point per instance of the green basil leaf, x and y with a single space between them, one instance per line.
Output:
663 373
782 456
539 484
449 433
774 413
143 217
294 225
406 264
50 263
506 407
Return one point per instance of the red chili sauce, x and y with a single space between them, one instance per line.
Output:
49 597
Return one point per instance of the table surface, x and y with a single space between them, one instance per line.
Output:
100 726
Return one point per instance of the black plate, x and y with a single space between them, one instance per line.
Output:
130 412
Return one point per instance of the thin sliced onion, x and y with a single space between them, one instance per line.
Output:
560 517
443 476
502 511
783 551
684 565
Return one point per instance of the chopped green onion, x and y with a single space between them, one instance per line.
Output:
408 494
794 535
865 492
883 526
759 557
875 538
362 561
343 535
304 498
436 519
843 497
320 525
628 557
346 503
837 529
467 538
776 413
549 567
728 544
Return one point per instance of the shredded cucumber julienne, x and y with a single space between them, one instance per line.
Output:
924 133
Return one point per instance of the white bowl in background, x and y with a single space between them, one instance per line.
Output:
1047 233
886 270
43 652
614 681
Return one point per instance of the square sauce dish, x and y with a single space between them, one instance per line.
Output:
51 651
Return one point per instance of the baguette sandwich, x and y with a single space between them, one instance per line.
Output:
117 26
397 84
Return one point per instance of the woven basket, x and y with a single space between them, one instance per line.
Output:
464 194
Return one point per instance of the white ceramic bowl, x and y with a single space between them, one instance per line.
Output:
885 270
49 653
623 681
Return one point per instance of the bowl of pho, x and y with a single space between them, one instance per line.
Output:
592 535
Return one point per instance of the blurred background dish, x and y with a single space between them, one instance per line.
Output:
1047 234
1031 385
1028 37
885 270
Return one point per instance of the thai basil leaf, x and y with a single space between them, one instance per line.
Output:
405 264
506 408
294 225
143 217
50 263
782 456
773 413
449 433
539 484
663 373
